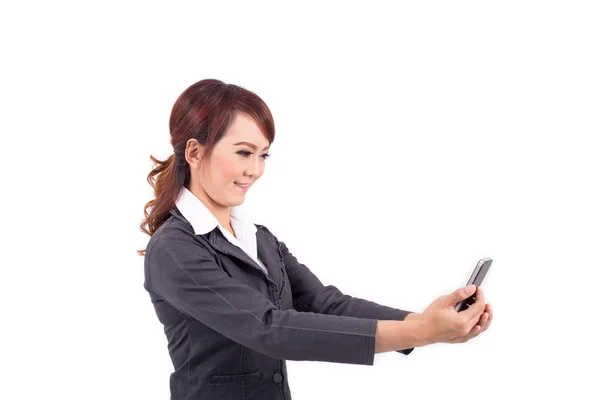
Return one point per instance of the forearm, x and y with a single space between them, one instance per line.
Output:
332 301
399 335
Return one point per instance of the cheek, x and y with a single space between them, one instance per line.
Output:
227 170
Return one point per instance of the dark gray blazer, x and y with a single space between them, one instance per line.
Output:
230 327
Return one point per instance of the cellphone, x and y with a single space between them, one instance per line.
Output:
476 279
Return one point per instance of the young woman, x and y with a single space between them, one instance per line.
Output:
234 302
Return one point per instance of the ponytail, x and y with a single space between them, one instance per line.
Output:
167 179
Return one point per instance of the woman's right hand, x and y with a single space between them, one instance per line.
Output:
441 322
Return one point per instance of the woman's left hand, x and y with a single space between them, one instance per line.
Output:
482 325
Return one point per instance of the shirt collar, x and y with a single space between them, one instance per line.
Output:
199 216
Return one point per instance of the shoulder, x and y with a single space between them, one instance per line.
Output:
264 231
175 236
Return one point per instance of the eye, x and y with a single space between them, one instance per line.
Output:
246 154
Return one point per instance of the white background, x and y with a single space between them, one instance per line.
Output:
412 140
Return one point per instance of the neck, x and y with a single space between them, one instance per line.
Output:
221 213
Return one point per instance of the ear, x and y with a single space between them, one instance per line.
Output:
193 152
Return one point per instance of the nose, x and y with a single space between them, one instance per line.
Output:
253 169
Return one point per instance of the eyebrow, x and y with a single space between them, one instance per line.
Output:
249 144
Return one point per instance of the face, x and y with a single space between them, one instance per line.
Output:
237 161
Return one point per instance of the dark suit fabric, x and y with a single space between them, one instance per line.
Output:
230 327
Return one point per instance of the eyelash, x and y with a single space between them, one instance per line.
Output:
247 154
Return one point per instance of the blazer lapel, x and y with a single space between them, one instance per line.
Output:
220 243
269 257
267 253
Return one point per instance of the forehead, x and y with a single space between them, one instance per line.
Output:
244 129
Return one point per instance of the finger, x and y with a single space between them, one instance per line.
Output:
459 295
462 294
476 330
490 313
473 313
481 325
485 320
485 317
479 300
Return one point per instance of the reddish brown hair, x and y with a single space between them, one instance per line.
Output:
204 111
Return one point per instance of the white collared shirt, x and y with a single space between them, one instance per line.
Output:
203 221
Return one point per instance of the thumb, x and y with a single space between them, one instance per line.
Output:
463 293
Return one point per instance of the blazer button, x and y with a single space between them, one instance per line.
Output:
277 378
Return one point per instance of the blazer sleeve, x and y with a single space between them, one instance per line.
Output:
186 275
310 294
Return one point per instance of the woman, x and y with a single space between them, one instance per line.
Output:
234 302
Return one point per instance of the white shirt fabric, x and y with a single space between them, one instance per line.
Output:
203 221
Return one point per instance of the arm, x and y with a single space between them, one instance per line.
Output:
393 335
186 275
311 295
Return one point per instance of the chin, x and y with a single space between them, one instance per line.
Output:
237 201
